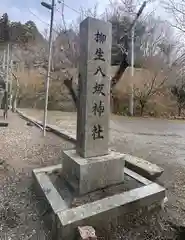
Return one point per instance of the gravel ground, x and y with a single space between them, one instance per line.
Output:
159 141
23 148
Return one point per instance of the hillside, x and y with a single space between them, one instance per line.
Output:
29 51
28 46
18 33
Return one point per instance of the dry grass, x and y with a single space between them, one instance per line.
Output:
32 91
160 104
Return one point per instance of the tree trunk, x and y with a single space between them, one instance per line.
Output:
179 110
14 105
121 69
142 104
68 84
1 97
5 105
19 102
115 105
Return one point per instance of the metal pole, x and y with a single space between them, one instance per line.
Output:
131 105
10 100
49 67
7 66
4 60
7 79
132 29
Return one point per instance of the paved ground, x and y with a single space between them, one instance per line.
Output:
23 148
153 139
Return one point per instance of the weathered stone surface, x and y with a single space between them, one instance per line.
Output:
87 233
89 174
98 212
136 176
143 167
48 169
64 221
44 186
94 84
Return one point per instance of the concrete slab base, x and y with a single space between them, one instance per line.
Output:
89 174
64 218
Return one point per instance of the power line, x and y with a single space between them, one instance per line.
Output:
38 17
62 14
42 20
71 8
58 10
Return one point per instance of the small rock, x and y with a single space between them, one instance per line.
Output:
87 233
163 203
30 124
2 162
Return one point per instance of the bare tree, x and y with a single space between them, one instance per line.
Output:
149 39
179 92
160 75
178 85
176 9
152 83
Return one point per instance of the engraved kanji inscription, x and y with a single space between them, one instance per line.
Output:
100 37
99 55
98 109
97 132
99 70
98 89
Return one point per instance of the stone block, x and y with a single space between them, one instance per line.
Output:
45 189
143 167
87 233
97 213
65 220
89 174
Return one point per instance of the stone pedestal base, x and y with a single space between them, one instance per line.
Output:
90 174
63 219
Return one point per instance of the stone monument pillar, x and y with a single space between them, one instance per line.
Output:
92 166
94 82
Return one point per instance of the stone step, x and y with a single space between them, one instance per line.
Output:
143 167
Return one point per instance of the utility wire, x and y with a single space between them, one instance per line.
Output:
38 17
42 20
70 7
62 14
58 10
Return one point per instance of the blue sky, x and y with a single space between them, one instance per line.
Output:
24 10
